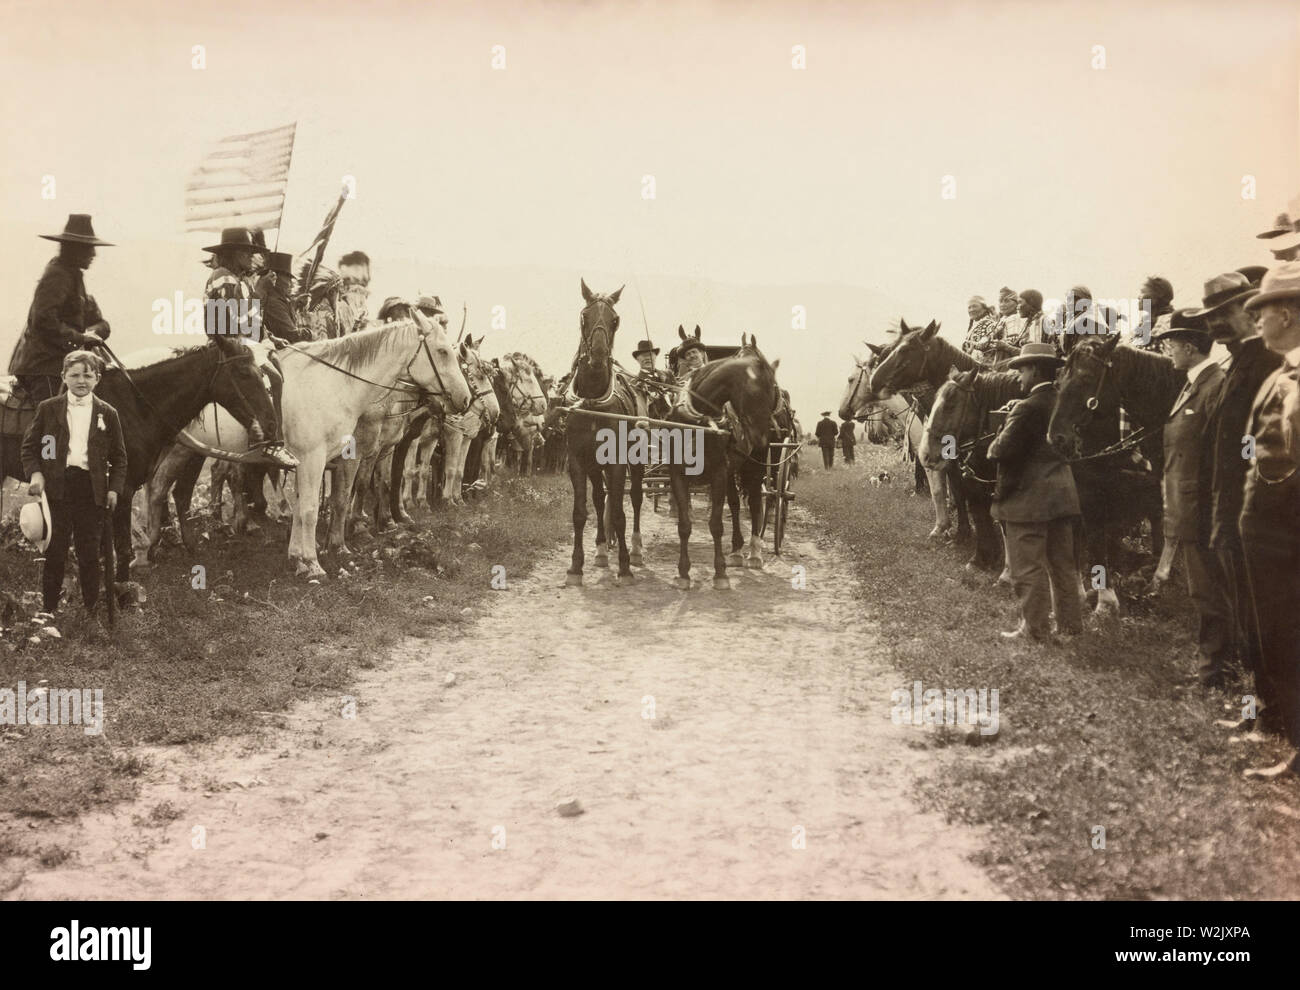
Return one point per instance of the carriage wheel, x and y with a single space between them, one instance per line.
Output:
781 506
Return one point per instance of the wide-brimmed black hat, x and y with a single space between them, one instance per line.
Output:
77 231
1184 323
1253 273
691 343
235 237
645 347
1223 290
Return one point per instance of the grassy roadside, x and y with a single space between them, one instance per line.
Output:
198 664
1107 731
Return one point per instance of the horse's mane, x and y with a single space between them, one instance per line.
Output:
358 349
995 388
163 363
947 355
519 357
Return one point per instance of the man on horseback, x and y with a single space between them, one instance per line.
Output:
230 299
63 317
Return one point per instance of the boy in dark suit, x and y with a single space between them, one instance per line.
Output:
74 452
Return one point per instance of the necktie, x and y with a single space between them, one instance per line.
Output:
1184 395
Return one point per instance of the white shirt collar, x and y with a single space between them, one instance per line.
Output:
76 403
1292 357
1041 385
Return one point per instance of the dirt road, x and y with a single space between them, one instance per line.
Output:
770 767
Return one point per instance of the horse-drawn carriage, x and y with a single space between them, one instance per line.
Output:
779 461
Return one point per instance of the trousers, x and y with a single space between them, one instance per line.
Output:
828 456
75 519
1044 574
1207 587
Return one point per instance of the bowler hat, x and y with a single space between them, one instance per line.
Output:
1031 353
1223 290
235 237
645 347
34 520
1184 323
77 231
1282 282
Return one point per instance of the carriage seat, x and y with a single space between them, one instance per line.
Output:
16 410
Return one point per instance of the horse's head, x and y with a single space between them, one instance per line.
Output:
435 369
526 396
859 400
597 324
239 382
905 365
479 375
954 415
748 382
1084 389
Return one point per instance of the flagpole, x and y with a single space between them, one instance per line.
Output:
292 141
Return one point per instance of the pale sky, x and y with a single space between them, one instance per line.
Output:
766 176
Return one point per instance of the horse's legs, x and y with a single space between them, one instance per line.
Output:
345 477
122 534
597 476
733 503
155 502
636 557
677 478
185 477
754 492
717 493
938 480
302 538
578 480
618 518
959 499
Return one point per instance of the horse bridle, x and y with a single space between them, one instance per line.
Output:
1093 401
513 389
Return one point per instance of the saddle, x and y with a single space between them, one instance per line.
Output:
16 410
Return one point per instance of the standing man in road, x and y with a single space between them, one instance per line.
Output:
827 433
847 439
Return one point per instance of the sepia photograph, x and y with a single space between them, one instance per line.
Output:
682 451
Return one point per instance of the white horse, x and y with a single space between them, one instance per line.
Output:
459 431
528 402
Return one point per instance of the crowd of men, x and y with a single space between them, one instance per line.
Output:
1231 471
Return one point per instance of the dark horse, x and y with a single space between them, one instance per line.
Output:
1097 379
742 392
598 389
959 430
156 403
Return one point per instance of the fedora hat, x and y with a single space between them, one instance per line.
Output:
1184 323
280 261
645 347
77 231
1222 290
34 521
1282 282
1036 352
1282 225
1286 241
235 237
431 305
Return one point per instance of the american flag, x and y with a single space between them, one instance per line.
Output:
241 182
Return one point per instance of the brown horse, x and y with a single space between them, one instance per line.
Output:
597 389
740 391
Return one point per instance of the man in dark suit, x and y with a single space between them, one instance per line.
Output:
1037 504
847 439
1270 512
62 317
74 452
1188 485
1250 363
827 433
